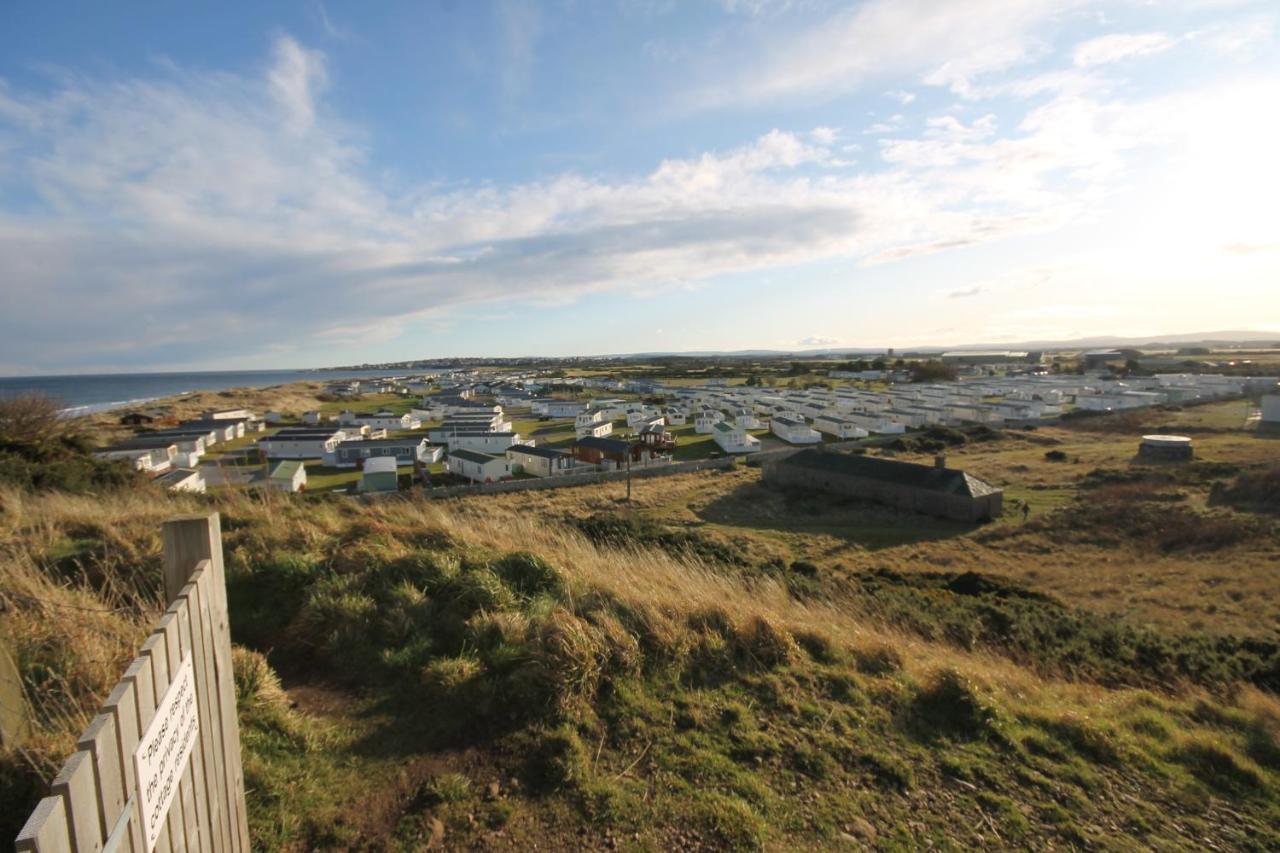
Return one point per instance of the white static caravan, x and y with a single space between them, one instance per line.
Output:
839 427
876 423
705 422
597 429
478 467
735 439
794 431
300 443
483 442
539 461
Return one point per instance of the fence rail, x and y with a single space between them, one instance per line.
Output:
98 802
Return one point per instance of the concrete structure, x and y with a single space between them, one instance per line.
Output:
380 474
1166 448
288 476
931 490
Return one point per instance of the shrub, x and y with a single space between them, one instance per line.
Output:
1258 491
447 788
950 706
618 531
528 574
877 660
558 761
767 645
1219 766
804 568
260 698
1055 455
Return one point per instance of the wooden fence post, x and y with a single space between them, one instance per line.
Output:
98 800
188 542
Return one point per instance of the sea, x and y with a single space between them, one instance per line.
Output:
85 394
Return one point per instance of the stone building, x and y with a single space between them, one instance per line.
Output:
928 489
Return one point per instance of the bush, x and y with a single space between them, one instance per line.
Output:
618 531
949 706
43 451
527 574
1257 491
559 760
1055 455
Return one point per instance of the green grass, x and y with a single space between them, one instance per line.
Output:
611 720
372 403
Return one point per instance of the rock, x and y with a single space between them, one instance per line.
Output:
436 841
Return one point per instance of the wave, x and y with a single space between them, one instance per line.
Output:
94 408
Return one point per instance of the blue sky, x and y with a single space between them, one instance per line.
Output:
298 184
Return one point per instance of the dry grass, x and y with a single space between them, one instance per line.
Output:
80 576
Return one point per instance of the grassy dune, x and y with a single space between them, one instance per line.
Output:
714 666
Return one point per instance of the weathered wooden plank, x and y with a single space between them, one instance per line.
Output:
194 803
211 815
101 742
46 830
78 789
154 651
187 542
122 705
215 761
179 821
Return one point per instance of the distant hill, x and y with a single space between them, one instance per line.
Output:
1208 339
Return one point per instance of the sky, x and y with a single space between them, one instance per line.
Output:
296 184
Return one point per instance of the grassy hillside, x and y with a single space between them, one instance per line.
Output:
712 667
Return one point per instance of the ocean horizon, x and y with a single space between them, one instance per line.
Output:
88 393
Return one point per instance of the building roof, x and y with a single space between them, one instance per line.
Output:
286 470
407 441
176 476
380 465
928 477
530 450
473 456
609 445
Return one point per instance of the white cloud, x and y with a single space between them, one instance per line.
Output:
947 44
818 341
295 80
214 213
824 135
1115 47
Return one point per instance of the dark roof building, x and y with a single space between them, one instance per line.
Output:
928 489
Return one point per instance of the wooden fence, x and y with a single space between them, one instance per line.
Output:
178 695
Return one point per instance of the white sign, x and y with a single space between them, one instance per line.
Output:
162 753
